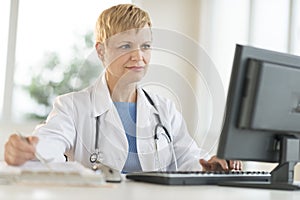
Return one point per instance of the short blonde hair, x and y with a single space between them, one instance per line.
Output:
120 18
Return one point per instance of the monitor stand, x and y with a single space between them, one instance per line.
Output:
282 177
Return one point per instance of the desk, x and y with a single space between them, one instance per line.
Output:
136 191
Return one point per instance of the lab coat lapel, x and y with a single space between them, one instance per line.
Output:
112 139
102 101
145 114
103 104
145 132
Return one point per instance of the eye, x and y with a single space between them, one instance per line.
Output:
125 46
146 46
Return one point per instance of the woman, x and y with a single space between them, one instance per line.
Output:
115 122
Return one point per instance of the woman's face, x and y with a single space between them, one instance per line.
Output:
126 55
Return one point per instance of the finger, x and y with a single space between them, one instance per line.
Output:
238 165
19 154
235 164
20 144
220 164
216 164
33 140
14 157
16 160
205 165
210 165
223 164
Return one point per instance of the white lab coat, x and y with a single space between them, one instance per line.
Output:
71 129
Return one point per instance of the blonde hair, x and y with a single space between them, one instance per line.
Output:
120 18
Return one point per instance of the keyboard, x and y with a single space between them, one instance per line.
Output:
199 177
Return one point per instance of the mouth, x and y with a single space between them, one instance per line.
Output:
135 68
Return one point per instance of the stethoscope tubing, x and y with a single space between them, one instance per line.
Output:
166 134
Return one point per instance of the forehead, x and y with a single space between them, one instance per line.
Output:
133 35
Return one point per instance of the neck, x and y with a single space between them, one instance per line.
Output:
120 91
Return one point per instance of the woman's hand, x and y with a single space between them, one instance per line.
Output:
216 164
19 150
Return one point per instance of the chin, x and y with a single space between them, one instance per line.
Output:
136 76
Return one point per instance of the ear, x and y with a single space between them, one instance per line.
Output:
100 50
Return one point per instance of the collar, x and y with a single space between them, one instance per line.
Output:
102 102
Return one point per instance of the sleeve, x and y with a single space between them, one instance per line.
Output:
186 149
57 134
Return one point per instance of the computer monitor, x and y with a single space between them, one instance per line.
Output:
262 117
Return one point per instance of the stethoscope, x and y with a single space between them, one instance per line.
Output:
159 126
159 129
94 156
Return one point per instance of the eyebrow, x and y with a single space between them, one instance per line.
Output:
125 41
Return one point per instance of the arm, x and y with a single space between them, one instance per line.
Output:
57 134
51 139
186 149
189 155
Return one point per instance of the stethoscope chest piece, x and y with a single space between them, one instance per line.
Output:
94 157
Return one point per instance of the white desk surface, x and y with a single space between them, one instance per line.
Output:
135 190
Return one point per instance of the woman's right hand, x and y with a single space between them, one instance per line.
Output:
18 150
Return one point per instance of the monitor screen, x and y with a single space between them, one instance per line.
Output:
262 118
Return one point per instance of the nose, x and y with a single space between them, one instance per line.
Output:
137 54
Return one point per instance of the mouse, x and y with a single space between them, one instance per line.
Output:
111 175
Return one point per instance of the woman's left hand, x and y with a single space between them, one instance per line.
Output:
216 164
